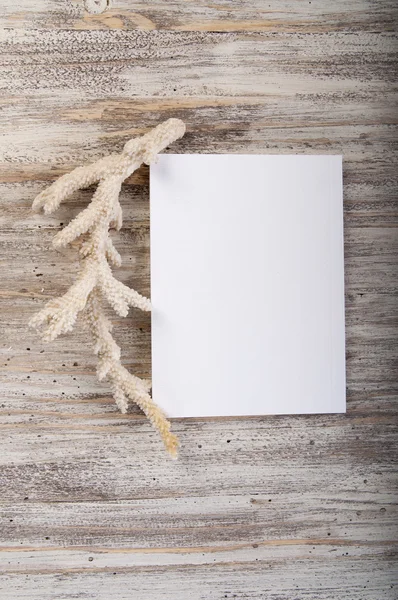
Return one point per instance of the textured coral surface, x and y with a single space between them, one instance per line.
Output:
95 282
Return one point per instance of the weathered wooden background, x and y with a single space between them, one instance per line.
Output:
279 508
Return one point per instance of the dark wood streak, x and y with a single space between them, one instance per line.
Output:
263 508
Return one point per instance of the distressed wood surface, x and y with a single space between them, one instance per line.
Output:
270 508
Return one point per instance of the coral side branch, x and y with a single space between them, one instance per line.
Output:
95 282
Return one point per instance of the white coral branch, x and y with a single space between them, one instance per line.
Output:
96 280
112 255
80 178
125 386
59 315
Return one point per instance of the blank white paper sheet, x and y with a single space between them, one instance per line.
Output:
247 285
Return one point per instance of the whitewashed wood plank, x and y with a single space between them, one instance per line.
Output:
301 574
202 15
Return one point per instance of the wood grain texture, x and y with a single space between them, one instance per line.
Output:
267 508
203 15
